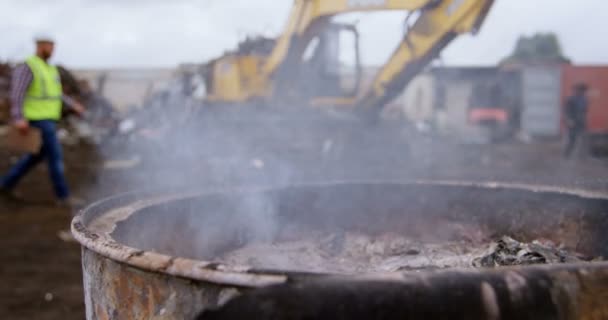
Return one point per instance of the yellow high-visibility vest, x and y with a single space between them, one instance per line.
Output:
43 97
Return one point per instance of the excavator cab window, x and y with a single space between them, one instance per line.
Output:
323 71
311 50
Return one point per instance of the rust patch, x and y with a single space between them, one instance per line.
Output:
80 228
593 296
100 313
516 284
490 301
137 253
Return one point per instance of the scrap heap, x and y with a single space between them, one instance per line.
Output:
5 77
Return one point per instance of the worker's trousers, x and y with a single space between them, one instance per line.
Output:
574 136
51 151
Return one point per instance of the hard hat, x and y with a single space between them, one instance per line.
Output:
44 37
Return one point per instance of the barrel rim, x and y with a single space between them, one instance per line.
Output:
245 276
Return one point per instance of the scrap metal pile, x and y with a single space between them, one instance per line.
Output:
352 253
5 77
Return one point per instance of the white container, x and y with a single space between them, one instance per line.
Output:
541 105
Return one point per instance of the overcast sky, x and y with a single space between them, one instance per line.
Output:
147 33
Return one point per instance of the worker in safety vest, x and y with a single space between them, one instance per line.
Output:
36 101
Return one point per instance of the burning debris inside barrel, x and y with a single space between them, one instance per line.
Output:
352 253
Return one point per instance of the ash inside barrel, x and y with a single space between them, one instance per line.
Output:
510 252
352 252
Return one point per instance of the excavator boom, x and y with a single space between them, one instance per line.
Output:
306 12
283 71
435 28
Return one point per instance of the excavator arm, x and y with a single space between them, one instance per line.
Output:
438 22
436 27
308 14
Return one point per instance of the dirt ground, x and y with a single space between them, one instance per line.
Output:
41 275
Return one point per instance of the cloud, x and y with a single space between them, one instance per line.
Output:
166 33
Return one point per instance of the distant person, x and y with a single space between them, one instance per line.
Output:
36 99
576 109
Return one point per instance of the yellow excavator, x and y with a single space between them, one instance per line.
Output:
302 66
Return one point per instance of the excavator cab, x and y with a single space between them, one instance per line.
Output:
320 72
317 71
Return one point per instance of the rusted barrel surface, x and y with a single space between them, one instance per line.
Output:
152 255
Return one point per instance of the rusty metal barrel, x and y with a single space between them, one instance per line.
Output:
154 255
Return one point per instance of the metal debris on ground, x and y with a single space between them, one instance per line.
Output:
48 297
257 163
510 252
122 164
127 126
